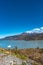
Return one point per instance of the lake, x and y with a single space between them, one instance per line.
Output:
21 44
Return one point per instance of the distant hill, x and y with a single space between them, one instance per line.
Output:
26 36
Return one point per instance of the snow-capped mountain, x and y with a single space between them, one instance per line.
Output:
36 30
33 34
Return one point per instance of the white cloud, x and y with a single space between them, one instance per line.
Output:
28 31
41 28
36 30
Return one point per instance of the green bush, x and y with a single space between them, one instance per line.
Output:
23 63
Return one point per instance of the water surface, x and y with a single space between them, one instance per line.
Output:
21 44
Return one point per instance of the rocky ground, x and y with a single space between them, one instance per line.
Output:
21 57
12 60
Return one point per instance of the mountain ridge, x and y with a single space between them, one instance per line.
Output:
36 33
25 36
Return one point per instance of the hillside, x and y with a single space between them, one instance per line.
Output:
26 36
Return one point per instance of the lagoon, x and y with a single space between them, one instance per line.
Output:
21 44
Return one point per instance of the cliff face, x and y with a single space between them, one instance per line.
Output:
26 36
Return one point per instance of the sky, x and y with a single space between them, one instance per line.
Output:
17 16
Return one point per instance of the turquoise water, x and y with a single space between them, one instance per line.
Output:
21 44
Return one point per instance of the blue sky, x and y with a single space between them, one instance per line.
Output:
18 16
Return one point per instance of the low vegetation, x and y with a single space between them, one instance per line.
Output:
33 54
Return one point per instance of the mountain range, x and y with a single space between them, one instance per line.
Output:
34 34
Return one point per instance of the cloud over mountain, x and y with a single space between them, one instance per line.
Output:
36 30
